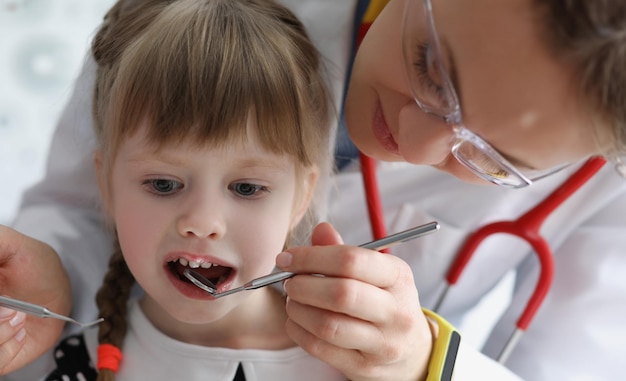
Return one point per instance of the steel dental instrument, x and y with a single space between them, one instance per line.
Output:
40 311
383 243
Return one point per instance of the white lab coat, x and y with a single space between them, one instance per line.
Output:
578 332
575 335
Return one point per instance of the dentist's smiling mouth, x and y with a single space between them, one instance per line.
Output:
217 274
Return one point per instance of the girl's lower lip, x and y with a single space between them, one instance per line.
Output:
382 133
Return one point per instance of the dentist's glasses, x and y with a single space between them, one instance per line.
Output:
434 93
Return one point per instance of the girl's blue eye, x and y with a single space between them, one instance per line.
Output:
247 190
163 186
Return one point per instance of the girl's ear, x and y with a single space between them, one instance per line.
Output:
105 194
305 195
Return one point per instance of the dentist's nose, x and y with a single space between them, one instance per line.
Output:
202 217
423 138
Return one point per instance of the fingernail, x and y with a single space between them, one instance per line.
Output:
6 312
20 335
17 319
284 259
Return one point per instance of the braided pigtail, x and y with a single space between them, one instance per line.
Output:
112 299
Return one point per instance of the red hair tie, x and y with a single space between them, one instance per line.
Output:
109 357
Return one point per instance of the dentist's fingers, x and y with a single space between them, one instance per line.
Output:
378 269
393 360
357 282
361 314
385 338
31 270
324 234
347 360
12 335
346 296
360 325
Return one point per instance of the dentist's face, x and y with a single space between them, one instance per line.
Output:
512 91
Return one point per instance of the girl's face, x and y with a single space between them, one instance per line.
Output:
512 92
225 212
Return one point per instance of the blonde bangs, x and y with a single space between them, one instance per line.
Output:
199 68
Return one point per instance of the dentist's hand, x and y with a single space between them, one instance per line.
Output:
363 316
31 271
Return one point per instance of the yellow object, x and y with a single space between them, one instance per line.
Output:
445 348
373 9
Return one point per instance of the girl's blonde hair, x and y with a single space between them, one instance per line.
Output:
194 70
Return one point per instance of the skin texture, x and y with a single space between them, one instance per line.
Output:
363 317
24 337
513 93
196 211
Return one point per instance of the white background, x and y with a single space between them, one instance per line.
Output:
42 45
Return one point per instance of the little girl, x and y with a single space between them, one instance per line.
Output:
214 125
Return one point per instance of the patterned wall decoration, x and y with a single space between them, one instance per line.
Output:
42 46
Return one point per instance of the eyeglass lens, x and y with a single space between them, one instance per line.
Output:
434 93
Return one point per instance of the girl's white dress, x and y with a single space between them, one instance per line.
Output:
151 355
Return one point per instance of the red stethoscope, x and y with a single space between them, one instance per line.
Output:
525 227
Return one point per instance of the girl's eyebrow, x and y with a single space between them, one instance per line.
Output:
264 162
251 161
157 156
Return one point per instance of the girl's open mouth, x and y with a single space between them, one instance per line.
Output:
217 274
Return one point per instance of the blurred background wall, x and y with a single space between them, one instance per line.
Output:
42 46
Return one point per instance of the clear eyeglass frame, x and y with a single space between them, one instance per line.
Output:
468 148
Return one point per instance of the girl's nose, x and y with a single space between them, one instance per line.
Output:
423 138
202 217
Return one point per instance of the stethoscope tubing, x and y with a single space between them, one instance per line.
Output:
526 227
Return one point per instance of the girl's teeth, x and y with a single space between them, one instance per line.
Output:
195 264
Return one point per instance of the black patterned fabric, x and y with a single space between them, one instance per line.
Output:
73 361
74 364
